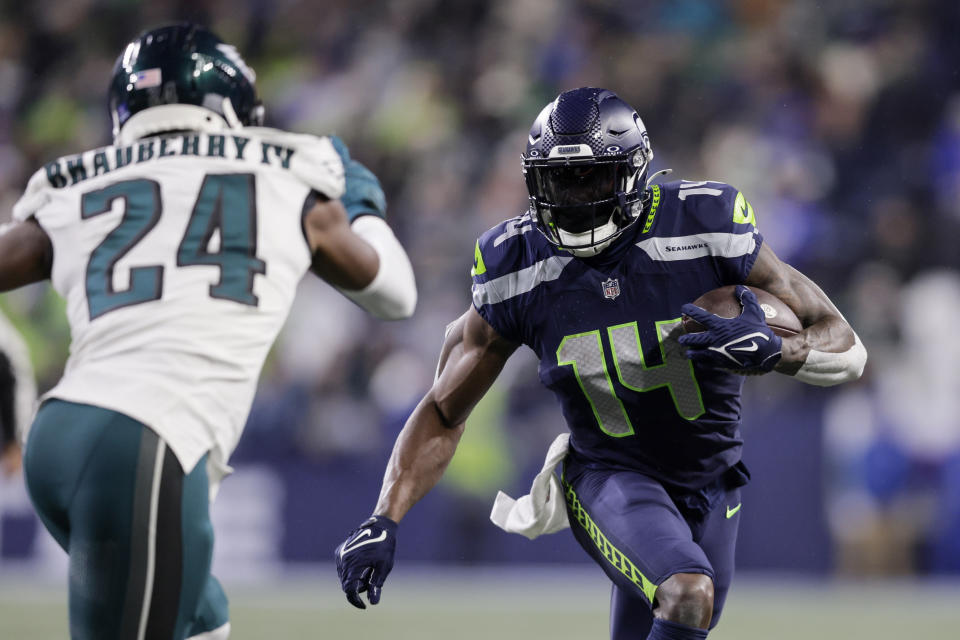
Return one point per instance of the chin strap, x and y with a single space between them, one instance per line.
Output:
230 115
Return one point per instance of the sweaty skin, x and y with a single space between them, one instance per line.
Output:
340 256
472 356
824 326
26 255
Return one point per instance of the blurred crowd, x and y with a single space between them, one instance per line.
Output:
839 120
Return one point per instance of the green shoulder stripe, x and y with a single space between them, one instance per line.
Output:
478 267
743 211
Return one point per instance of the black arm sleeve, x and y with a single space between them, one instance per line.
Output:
8 387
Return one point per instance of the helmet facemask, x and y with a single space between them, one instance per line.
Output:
586 166
582 204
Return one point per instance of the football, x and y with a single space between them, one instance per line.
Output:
724 303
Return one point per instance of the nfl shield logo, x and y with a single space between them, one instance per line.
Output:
611 288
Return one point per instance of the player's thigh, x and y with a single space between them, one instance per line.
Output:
717 536
61 442
81 464
140 539
631 528
68 442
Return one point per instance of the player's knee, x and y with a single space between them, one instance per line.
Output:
686 598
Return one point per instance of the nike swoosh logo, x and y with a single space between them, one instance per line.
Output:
733 512
727 348
355 544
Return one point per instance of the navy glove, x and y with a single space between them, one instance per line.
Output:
745 343
362 193
365 559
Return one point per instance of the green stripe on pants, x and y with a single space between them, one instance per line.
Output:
614 556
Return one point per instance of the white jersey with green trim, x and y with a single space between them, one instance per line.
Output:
179 257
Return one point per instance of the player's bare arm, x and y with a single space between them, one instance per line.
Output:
340 256
362 258
26 255
472 357
825 330
825 352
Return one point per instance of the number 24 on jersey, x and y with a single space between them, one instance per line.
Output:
226 205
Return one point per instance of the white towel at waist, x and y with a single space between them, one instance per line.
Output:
543 509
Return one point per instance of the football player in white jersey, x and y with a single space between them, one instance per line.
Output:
178 250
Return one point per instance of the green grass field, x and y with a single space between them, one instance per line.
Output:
523 605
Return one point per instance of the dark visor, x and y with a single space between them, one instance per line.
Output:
575 197
576 184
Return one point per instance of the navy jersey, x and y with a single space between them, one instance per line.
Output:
605 329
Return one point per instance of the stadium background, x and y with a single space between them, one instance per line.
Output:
839 120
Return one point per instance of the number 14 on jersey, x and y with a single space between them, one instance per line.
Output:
584 352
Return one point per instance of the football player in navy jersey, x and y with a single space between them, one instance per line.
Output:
595 278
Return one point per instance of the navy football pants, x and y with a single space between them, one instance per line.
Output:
633 529
137 529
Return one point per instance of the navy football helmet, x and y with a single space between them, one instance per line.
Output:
586 168
181 77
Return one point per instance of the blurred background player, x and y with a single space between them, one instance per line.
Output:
18 392
594 278
178 251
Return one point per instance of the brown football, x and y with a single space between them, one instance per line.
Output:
724 303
